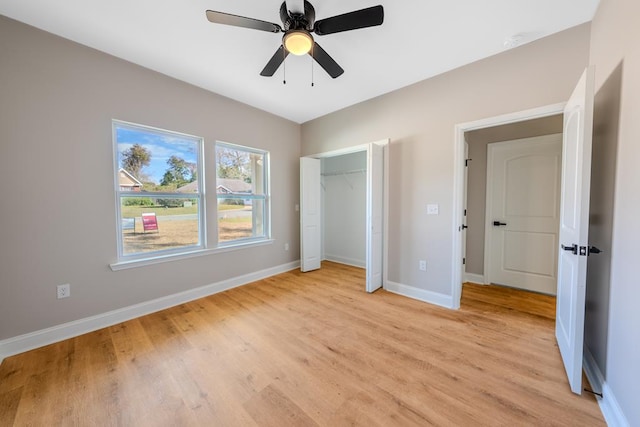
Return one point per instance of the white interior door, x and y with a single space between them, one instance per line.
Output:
375 183
574 227
523 204
310 215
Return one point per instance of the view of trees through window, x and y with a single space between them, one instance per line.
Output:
242 192
160 196
158 189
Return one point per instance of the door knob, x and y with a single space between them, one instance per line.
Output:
464 226
498 223
573 248
594 250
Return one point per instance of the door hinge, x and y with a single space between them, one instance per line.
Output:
466 162
465 212
464 261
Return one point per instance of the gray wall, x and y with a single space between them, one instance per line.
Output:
420 120
57 222
615 52
477 177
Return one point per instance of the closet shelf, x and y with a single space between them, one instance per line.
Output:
350 172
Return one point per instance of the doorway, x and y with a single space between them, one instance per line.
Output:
343 210
512 205
478 135
577 132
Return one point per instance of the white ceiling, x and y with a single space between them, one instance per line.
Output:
418 39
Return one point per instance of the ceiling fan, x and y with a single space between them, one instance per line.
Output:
298 20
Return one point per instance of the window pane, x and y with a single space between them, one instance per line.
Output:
240 218
239 171
150 224
242 191
156 161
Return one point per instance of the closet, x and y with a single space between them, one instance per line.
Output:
342 209
343 200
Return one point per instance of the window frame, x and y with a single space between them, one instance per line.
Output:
265 197
124 258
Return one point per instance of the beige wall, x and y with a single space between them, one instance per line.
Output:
615 52
57 222
420 121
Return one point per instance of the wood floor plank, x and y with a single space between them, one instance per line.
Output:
9 401
271 407
307 349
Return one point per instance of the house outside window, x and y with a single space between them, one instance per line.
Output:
160 207
242 190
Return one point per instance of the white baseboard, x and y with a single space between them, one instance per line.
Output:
419 294
348 261
608 403
474 278
26 342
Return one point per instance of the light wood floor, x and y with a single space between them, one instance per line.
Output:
306 349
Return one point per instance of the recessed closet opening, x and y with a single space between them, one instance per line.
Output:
344 198
343 210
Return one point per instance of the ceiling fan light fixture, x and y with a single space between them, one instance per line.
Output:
298 42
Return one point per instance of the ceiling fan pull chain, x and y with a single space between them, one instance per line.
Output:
312 65
284 66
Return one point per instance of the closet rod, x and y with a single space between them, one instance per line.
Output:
344 172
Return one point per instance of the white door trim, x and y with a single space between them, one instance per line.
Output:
458 181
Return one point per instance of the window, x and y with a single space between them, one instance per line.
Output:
242 190
159 197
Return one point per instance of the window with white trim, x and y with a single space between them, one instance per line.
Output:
242 190
160 206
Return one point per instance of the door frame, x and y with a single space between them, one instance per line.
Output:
459 182
385 190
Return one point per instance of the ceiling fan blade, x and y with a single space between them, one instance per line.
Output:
275 61
242 21
325 61
362 18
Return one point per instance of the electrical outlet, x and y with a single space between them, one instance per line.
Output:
422 265
64 291
286 246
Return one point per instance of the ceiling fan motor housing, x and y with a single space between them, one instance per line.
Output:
297 21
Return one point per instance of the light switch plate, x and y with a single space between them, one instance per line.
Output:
432 209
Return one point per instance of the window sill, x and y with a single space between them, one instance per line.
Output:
141 262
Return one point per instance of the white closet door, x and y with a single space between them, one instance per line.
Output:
375 182
574 227
310 215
